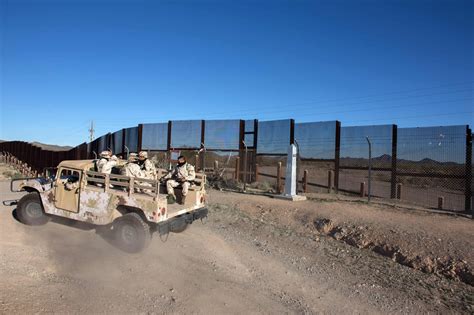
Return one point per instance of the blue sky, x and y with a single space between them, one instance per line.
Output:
120 63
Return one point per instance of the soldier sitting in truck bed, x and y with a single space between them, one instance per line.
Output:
182 175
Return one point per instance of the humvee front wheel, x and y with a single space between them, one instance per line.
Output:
30 210
132 233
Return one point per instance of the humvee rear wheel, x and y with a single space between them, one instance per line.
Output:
30 210
179 227
132 234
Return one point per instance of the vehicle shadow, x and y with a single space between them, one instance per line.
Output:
104 231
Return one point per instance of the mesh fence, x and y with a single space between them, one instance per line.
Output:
160 159
316 140
186 133
354 159
355 148
117 142
268 169
226 163
102 143
222 134
317 143
273 137
131 139
155 136
431 164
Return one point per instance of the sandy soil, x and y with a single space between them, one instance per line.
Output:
254 255
6 171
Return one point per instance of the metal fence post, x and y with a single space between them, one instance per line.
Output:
468 189
124 133
168 140
393 185
337 155
140 137
370 169
305 181
202 149
255 140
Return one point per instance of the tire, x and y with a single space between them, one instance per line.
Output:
30 210
131 233
179 228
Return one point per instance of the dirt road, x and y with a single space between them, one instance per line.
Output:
237 262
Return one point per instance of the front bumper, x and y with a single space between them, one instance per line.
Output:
9 203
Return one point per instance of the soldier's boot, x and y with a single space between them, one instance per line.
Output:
183 200
171 199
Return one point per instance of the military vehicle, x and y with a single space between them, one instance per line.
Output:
133 208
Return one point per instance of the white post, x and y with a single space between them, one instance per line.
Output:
291 177
290 180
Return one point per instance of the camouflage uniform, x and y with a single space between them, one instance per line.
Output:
132 169
147 166
180 176
107 167
104 159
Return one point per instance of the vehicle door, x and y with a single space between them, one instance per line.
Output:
67 189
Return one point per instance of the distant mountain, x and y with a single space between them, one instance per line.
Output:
388 158
383 158
51 147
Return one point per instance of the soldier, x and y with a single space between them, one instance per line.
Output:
181 175
148 167
132 169
107 167
104 158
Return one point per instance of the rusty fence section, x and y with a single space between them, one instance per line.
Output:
420 165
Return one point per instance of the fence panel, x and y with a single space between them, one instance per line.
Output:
222 134
117 140
431 164
354 159
316 142
186 134
131 139
274 137
155 137
102 144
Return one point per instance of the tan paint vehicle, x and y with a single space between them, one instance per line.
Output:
133 208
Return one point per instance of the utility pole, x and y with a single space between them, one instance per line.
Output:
91 132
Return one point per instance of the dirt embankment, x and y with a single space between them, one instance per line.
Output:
430 242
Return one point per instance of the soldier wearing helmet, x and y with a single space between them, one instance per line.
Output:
147 167
104 159
132 169
107 168
182 174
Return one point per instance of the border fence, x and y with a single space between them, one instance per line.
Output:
428 166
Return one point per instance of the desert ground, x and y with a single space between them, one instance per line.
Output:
254 254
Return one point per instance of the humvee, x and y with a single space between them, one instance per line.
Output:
133 208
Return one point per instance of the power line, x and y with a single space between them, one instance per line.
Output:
292 107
